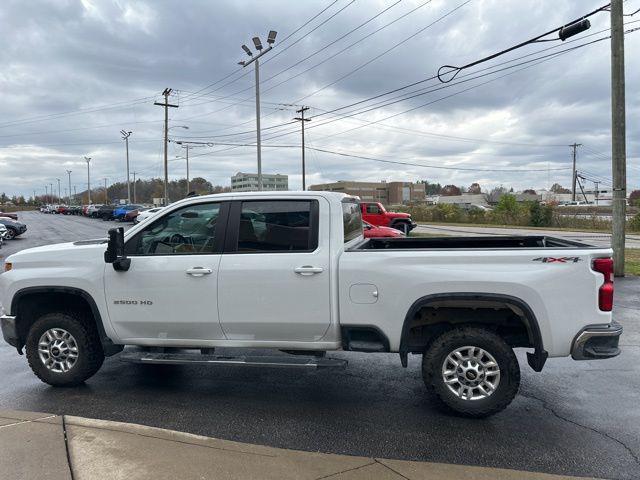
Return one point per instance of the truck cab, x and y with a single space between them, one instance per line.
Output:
375 214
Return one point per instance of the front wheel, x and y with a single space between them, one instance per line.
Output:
11 234
62 350
472 371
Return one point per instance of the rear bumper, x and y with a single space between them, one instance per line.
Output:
9 330
597 342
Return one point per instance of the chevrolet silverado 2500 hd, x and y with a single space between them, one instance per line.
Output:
293 273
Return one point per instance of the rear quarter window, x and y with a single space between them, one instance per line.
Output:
351 221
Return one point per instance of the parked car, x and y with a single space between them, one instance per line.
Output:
146 214
371 231
14 228
291 271
62 209
91 209
3 233
120 212
11 215
105 212
74 210
131 215
375 214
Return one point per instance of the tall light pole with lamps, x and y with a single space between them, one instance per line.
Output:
125 137
271 38
88 159
69 175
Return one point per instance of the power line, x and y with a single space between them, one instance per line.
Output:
528 64
331 56
289 46
80 111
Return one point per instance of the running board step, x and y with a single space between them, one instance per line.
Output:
251 361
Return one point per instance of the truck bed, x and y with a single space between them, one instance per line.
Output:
488 242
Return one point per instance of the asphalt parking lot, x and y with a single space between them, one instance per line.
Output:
574 418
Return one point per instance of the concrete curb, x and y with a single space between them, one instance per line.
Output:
38 446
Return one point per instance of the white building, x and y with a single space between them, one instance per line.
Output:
248 182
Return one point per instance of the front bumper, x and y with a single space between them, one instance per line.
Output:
597 342
9 330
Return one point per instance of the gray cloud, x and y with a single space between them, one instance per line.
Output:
98 56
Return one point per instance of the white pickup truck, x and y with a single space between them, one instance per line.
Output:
292 272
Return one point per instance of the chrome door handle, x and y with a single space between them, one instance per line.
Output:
198 271
308 270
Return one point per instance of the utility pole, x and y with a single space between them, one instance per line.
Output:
69 175
575 173
88 159
187 150
618 138
46 193
302 120
75 194
125 137
134 187
596 182
106 196
59 193
51 189
166 92
271 38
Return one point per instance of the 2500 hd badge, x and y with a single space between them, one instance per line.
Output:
132 302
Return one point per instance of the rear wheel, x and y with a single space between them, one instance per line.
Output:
62 350
472 371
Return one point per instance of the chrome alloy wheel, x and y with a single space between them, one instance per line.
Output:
58 350
471 373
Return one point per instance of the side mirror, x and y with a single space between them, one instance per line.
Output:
115 253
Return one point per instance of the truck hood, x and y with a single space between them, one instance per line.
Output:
57 251
398 215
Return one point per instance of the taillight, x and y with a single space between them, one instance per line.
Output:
605 294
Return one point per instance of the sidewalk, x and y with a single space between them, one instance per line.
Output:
35 446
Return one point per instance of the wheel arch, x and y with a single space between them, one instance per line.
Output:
473 300
27 302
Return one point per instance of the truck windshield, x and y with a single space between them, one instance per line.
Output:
352 220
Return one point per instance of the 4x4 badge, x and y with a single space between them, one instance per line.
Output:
557 259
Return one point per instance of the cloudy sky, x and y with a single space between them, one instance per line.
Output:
73 73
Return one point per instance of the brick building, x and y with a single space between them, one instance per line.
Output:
387 193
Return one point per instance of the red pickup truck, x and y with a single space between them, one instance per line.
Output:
375 214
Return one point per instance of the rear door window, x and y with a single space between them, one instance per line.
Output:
278 226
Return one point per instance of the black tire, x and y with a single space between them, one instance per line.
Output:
509 381
90 354
11 234
403 227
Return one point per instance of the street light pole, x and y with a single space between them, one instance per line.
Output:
59 193
187 147
69 175
125 137
88 159
258 44
134 187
